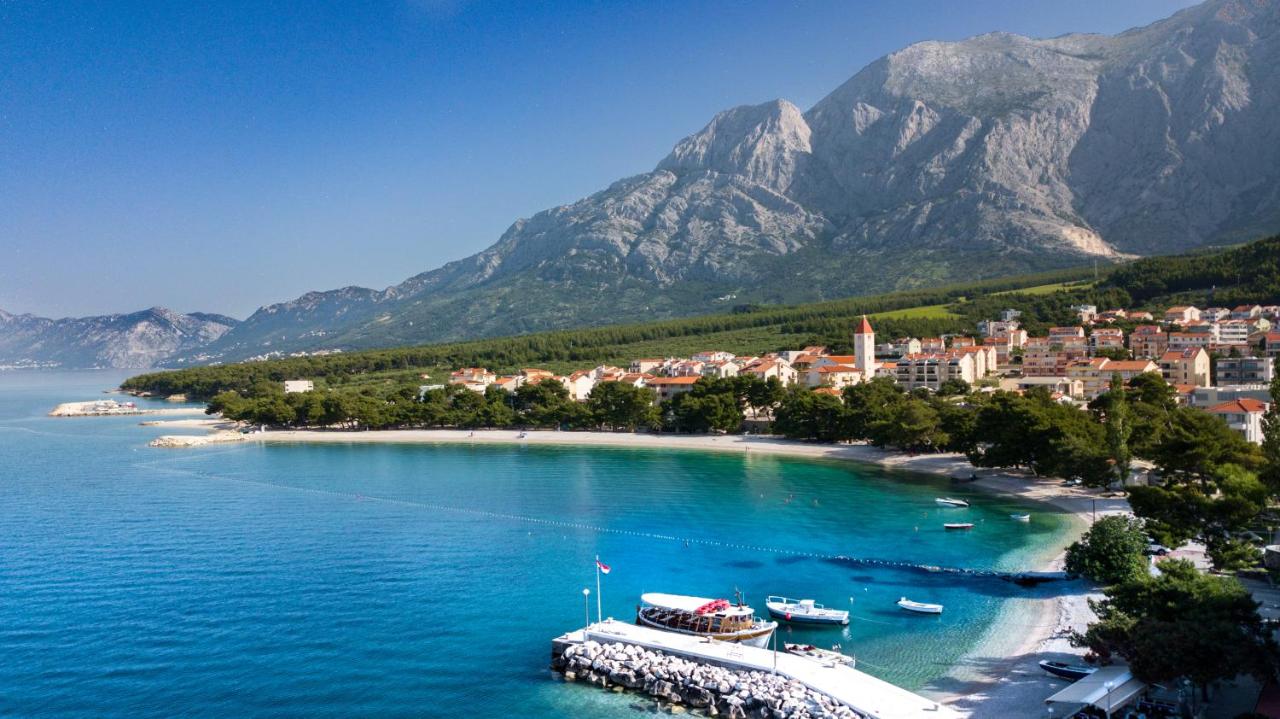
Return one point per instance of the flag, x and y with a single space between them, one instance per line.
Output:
602 566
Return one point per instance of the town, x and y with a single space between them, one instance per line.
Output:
1216 359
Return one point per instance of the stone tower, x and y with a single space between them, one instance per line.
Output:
864 348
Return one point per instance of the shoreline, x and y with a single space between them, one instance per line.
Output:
997 678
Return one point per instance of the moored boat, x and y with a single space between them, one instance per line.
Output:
1020 517
951 502
804 611
823 656
958 525
700 616
1067 671
919 607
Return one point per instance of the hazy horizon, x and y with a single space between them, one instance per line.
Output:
224 157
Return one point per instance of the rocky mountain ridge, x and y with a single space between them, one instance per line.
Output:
136 340
994 155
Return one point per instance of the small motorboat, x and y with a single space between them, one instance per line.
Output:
951 502
827 657
958 525
919 607
804 611
1063 670
1020 517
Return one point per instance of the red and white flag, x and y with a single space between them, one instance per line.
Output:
602 566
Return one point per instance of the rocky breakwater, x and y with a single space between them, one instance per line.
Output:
715 690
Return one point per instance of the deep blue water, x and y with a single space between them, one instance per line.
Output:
369 580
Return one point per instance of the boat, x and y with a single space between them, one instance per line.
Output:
1020 517
1063 670
958 525
700 616
920 607
827 657
951 502
804 611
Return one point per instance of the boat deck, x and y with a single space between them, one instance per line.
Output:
857 690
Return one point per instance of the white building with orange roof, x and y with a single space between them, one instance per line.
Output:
766 368
1095 374
665 388
647 364
833 375
1181 313
579 384
721 370
1243 415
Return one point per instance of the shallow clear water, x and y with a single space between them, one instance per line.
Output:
424 580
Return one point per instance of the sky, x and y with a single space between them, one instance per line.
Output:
221 156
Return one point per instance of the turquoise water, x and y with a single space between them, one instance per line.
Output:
424 580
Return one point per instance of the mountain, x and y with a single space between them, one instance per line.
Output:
137 340
995 155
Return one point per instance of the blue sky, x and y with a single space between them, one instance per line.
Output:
220 156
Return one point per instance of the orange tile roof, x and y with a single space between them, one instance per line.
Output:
1244 405
864 327
672 380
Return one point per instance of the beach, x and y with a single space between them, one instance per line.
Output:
1000 678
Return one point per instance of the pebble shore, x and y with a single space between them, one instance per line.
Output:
680 684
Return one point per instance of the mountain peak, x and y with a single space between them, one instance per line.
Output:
761 143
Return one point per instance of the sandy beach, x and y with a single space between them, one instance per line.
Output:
1000 678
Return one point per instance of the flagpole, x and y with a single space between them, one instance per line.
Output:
599 613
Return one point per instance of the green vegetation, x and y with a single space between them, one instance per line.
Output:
1182 624
1111 552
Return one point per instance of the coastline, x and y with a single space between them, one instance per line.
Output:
999 677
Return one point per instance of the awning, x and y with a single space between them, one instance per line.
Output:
1109 688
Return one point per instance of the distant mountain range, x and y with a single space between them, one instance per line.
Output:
138 340
991 156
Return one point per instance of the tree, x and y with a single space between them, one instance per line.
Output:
1271 439
953 387
869 402
703 412
911 425
1214 511
541 404
1196 443
1112 551
618 405
1182 624
1118 428
805 414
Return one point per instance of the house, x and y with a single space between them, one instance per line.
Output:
1066 334
1138 316
579 384
1181 314
720 370
1086 313
991 328
1244 370
712 356
607 371
476 379
931 345
1106 338
1056 385
509 383
904 346
1095 374
647 364
985 359
1214 314
686 368
298 385
766 368
1246 312
667 388
931 370
1149 341
1209 396
1243 416
638 379
534 376
1185 366
816 350
833 375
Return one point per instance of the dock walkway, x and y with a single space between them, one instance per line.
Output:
857 690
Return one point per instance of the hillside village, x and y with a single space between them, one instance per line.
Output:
1218 359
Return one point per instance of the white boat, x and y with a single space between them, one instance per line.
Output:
1020 517
826 657
951 502
958 525
700 616
804 611
921 607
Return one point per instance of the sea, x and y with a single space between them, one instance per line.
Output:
395 580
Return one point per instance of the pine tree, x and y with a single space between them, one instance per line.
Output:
1271 439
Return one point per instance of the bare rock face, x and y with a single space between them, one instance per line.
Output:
993 155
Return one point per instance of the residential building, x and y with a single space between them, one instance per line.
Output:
1149 341
1186 366
712 356
1244 370
1234 332
666 388
1243 416
931 345
839 376
1086 313
533 376
764 369
1179 341
1056 385
991 328
1271 344
931 370
1106 338
579 384
720 370
1010 315
647 364
1181 314
298 385
1215 314
1141 316
904 346
1095 374
1066 334
1246 312
1044 357
686 368
1209 396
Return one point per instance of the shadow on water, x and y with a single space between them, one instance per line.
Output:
744 564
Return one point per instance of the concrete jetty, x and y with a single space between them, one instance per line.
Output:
840 691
